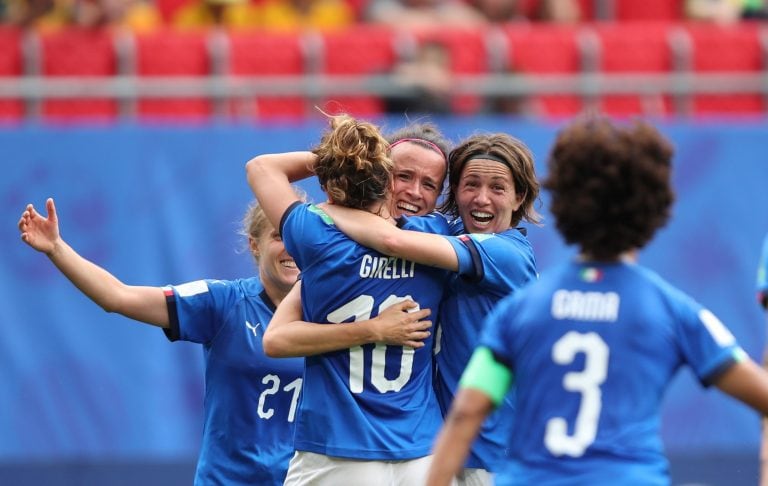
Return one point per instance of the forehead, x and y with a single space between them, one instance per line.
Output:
487 169
422 160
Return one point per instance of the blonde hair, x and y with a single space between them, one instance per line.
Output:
255 223
353 164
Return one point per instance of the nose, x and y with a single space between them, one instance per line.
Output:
481 196
413 189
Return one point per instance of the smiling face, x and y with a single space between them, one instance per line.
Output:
486 196
277 270
417 179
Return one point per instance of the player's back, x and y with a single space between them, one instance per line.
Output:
593 347
373 401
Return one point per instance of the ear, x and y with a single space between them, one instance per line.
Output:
519 199
253 245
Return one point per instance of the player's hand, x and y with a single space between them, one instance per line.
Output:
401 325
39 232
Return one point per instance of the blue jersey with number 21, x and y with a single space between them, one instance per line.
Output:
372 402
250 398
592 348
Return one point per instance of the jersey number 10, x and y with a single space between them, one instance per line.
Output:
360 309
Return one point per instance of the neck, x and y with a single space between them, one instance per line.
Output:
275 291
381 209
625 257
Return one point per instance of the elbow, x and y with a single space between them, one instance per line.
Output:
273 347
255 169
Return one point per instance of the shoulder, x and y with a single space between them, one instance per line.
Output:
430 223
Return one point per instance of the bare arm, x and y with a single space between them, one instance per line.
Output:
146 304
270 178
469 409
375 232
288 335
747 382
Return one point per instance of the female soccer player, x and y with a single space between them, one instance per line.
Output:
367 414
493 188
251 399
594 342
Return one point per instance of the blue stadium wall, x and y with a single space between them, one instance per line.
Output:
88 397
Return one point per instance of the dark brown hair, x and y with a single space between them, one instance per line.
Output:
610 185
353 164
515 155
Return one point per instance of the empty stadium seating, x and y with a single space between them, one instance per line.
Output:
657 68
11 66
84 55
270 56
634 50
541 51
360 51
173 55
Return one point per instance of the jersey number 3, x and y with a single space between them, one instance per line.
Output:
360 309
587 382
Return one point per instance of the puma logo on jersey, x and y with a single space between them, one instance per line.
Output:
387 268
585 306
252 327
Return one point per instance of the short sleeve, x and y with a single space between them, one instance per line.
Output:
707 345
198 309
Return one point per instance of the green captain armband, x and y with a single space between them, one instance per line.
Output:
485 373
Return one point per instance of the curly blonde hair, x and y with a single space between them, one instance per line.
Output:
353 163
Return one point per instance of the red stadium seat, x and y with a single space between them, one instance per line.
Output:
360 51
635 48
546 50
10 65
267 54
733 49
78 54
173 54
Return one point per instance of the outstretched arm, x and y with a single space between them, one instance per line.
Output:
375 232
288 335
270 178
146 304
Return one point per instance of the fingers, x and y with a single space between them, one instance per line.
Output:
51 208
420 314
404 305
414 344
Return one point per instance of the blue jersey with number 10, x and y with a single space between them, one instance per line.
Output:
592 348
372 402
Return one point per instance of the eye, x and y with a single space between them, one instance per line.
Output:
430 186
403 176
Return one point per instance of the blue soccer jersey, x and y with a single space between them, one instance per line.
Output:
372 402
250 398
592 348
491 266
762 274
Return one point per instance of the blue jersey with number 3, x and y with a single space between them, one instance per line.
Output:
372 402
250 398
592 348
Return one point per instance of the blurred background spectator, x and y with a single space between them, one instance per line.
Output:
725 11
425 80
422 13
306 14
